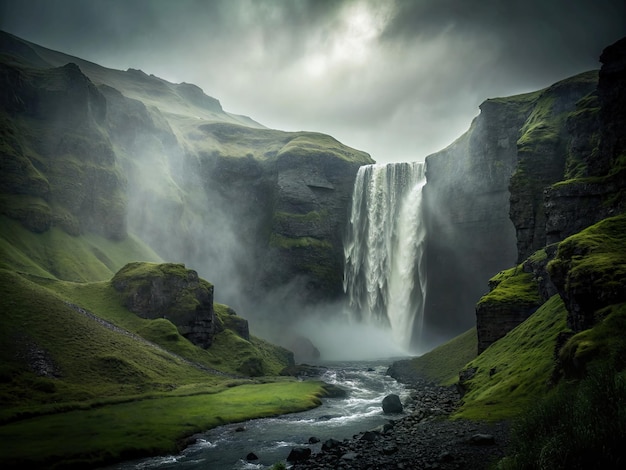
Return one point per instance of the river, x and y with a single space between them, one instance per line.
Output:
271 439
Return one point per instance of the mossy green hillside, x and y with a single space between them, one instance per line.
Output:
53 354
514 371
442 364
604 344
56 254
590 267
229 352
75 390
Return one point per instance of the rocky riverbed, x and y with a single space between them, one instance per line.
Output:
423 439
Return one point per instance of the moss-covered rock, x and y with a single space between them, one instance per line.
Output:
589 271
173 292
514 296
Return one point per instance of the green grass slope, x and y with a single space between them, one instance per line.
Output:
55 254
83 390
514 371
442 364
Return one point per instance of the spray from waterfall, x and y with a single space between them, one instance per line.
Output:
384 274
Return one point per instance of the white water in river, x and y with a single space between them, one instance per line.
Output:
271 439
384 274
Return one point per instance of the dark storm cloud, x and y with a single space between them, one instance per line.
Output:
399 79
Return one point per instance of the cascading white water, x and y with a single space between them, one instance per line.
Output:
384 274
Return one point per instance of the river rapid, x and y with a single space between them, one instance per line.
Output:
271 439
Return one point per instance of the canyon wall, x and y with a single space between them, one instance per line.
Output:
91 150
484 197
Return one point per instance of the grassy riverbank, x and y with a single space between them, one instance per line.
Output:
84 387
84 438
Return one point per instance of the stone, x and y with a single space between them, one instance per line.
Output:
252 456
330 444
482 440
392 404
370 436
298 454
390 449
313 440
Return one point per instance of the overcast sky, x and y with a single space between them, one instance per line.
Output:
399 79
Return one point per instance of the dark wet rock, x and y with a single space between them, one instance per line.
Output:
252 456
330 444
482 440
370 436
240 429
313 440
390 449
298 454
392 404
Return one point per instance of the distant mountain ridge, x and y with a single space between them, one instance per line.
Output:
184 99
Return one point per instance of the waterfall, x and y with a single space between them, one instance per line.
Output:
384 273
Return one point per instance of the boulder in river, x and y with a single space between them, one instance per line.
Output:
392 404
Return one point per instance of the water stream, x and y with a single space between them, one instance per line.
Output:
271 439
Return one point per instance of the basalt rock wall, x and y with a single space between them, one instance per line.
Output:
484 197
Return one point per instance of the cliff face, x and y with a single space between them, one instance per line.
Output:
485 197
58 167
469 233
570 176
543 148
91 150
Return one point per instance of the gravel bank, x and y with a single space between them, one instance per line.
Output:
423 438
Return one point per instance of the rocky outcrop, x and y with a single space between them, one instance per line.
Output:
589 271
172 292
513 297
